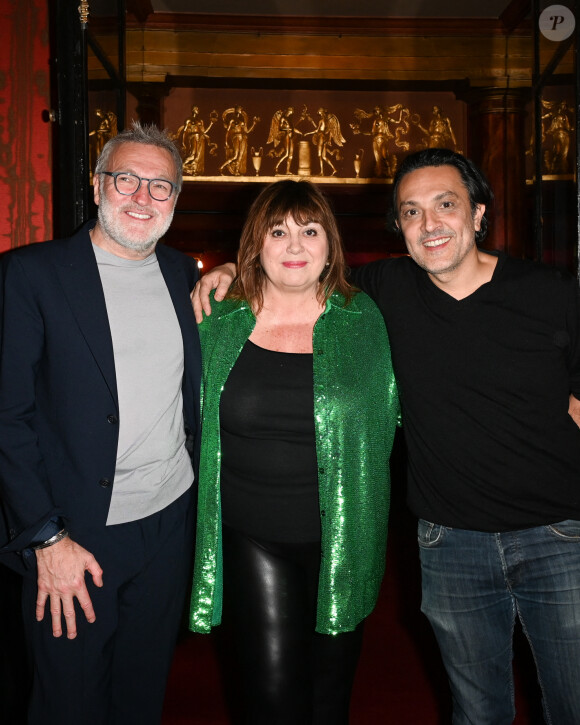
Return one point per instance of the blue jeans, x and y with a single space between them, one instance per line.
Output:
474 585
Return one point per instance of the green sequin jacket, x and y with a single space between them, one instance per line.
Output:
356 410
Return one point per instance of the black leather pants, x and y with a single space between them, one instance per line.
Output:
291 675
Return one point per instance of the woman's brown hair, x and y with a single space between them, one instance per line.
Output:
305 203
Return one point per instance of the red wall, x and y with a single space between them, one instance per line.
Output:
25 138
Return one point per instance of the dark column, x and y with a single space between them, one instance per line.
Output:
496 142
71 173
149 101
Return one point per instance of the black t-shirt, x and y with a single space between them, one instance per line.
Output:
269 474
484 385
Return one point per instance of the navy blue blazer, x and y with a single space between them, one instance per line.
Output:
59 409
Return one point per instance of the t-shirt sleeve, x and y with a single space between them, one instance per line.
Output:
370 278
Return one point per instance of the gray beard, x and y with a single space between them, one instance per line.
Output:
113 229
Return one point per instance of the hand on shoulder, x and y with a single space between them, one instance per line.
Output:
218 278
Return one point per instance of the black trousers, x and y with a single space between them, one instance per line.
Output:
115 671
291 675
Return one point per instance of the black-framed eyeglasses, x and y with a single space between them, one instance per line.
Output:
129 184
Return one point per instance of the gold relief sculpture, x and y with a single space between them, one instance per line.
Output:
235 122
257 157
326 132
358 162
192 139
440 134
389 124
558 128
106 129
304 158
292 137
282 135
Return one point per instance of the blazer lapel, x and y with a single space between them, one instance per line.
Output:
178 284
79 276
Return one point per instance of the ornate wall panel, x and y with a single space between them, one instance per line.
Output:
335 136
348 141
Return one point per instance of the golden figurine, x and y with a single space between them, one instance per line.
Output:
326 132
257 157
106 129
192 139
282 133
235 122
559 129
382 135
358 162
440 134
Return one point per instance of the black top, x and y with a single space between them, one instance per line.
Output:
484 385
269 482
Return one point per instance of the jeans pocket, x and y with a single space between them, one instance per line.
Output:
568 529
429 534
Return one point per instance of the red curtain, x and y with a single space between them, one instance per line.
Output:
25 137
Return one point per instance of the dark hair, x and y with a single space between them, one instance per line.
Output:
475 183
305 203
148 135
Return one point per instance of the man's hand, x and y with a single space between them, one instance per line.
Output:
61 577
218 278
574 410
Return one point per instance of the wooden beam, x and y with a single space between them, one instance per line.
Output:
515 14
318 25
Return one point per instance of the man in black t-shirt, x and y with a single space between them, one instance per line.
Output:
487 355
486 350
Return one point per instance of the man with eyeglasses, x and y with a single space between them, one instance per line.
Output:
99 406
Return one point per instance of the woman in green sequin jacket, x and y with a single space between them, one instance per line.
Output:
299 409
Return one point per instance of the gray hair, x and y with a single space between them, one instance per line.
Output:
148 135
